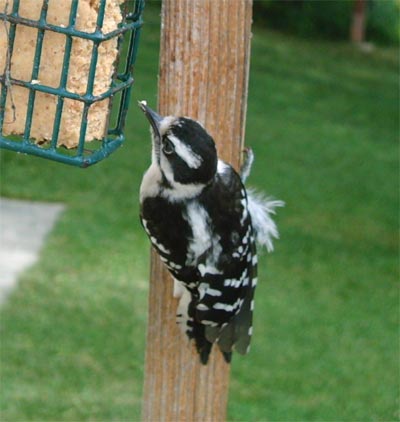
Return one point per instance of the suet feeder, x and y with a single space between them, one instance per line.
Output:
66 76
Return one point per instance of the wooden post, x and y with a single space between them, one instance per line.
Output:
357 29
204 67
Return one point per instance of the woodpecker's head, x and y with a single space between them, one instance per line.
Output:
182 149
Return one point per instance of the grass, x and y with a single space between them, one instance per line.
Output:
323 122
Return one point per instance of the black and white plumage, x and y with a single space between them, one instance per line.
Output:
204 225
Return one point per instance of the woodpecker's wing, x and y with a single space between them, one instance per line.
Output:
225 303
239 330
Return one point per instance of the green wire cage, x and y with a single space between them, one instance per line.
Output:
65 106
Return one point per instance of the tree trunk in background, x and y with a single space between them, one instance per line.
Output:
204 66
357 30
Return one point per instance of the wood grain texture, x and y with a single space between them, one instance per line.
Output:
204 67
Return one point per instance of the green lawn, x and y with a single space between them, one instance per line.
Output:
323 122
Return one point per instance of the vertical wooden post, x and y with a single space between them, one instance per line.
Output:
357 29
204 66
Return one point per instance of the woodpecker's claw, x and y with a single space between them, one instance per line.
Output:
247 163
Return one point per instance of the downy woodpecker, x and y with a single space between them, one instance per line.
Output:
204 225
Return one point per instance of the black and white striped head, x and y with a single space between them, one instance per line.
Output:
182 149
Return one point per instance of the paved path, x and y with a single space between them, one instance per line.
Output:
23 228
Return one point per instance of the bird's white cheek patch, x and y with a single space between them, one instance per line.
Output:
185 153
166 169
150 186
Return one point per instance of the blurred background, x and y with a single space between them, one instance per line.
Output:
323 121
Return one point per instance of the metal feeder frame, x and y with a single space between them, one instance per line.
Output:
121 83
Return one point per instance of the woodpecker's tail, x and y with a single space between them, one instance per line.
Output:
203 345
185 318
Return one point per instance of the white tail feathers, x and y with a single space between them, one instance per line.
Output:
261 209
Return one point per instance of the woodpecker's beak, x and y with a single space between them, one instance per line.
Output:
153 117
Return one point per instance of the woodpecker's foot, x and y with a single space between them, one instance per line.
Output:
247 163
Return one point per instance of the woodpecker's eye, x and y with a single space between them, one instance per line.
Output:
168 147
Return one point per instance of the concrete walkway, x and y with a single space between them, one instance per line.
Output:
23 228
